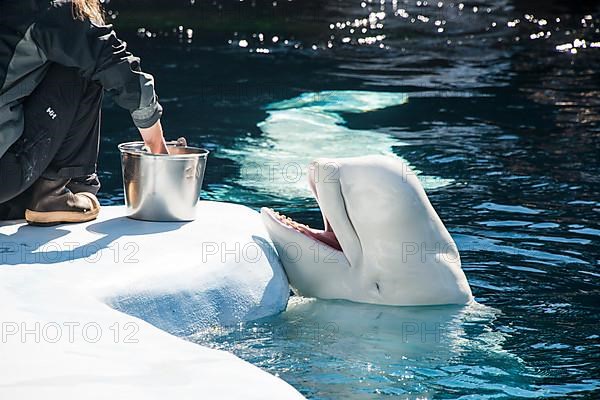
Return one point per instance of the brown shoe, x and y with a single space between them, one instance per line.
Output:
52 203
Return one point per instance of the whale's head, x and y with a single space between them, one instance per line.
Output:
383 242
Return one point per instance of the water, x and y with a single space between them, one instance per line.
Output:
495 103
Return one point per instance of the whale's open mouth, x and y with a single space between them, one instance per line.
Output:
326 236
341 216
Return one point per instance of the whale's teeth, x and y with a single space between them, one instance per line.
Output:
288 221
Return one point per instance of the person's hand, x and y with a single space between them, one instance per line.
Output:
154 138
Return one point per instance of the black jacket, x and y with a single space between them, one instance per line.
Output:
34 33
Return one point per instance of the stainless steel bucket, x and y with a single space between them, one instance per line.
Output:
160 187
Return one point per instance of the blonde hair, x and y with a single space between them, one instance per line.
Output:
88 9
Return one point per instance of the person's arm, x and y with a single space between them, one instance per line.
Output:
97 52
154 138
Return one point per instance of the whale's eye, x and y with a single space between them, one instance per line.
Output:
377 286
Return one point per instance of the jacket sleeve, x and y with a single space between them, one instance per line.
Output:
97 52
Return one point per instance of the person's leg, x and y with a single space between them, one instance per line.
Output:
87 119
78 153
60 142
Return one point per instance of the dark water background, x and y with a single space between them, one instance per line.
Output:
504 101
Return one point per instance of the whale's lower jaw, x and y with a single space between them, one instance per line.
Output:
315 269
310 264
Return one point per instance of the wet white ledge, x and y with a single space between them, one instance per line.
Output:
134 282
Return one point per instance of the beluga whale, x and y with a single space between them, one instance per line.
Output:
382 242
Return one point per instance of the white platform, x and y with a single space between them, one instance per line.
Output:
179 277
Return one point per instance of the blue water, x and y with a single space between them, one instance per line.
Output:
494 103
